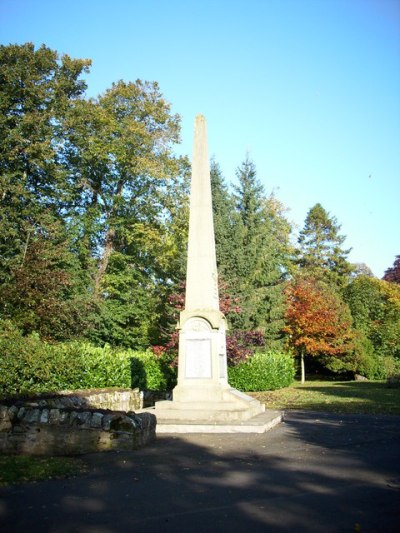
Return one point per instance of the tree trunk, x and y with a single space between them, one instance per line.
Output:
303 368
108 246
105 258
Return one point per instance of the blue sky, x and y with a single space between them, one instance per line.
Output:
309 88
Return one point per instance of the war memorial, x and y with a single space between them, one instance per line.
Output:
203 401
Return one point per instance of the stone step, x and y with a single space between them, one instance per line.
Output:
257 424
222 411
199 406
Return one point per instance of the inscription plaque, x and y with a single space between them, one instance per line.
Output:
198 358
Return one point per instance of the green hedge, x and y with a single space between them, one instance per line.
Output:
29 365
264 371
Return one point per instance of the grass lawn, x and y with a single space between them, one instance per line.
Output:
21 469
356 397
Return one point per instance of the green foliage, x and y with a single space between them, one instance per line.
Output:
252 245
263 371
320 250
93 202
119 148
41 280
375 307
29 365
148 372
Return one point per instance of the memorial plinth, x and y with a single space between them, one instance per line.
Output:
202 395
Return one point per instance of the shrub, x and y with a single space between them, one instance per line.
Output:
147 372
29 366
264 371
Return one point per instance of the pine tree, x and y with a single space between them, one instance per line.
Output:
320 251
264 247
228 228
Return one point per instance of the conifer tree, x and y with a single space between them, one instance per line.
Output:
261 267
320 252
228 228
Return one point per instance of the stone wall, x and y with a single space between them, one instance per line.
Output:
74 423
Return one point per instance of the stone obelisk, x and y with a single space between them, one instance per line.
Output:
202 393
202 369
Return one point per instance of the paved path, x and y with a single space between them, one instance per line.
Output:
312 473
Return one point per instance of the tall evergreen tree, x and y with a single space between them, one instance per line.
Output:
228 228
264 248
320 251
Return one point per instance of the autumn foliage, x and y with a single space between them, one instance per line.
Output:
392 274
318 322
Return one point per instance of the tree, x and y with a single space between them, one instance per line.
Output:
375 307
261 263
228 230
45 294
318 321
103 174
131 204
119 148
227 227
320 252
392 274
361 269
37 89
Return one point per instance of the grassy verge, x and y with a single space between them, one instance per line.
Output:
335 397
21 469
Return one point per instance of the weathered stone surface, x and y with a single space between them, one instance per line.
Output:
115 399
69 423
44 431
54 416
96 421
31 415
83 419
122 423
44 416
13 412
5 421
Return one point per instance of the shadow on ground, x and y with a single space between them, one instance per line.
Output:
315 472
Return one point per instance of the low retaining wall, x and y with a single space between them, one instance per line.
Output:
74 423
114 398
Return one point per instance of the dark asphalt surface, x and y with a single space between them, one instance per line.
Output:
312 473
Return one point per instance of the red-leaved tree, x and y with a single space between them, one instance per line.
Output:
392 274
318 321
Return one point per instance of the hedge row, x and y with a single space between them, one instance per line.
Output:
263 371
29 365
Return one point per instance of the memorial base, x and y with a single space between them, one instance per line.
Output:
209 405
